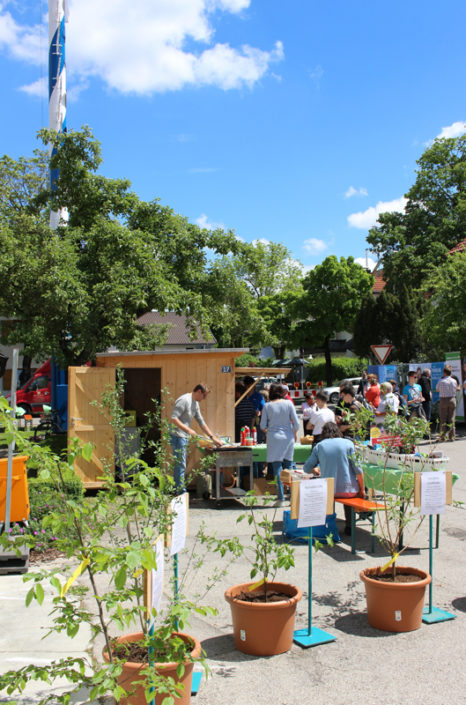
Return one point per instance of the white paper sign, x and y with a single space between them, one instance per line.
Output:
433 492
157 576
312 502
180 523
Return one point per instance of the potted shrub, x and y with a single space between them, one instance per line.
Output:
263 611
108 539
395 594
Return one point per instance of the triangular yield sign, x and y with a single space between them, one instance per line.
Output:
381 352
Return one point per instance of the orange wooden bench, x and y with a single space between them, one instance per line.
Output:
358 504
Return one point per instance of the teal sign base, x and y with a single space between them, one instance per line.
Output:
197 677
432 615
315 637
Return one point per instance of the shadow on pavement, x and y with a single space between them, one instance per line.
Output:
459 604
223 648
356 624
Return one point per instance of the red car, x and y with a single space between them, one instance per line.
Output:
37 391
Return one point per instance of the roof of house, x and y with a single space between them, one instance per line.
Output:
459 247
379 282
179 333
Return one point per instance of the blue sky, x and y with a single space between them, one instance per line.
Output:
291 121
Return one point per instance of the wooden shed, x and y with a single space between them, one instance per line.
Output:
163 376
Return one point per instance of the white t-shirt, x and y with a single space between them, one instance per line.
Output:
307 409
319 418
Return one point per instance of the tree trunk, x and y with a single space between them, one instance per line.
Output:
279 351
328 361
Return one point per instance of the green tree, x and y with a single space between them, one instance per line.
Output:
333 292
266 267
368 327
79 290
388 319
20 183
233 309
280 313
444 319
434 219
274 280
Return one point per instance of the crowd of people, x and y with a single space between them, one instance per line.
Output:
272 413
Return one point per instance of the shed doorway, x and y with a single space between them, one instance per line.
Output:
142 388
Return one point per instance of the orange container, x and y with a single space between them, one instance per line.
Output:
19 509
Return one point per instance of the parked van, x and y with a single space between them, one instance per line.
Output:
37 391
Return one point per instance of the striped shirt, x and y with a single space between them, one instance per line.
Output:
446 387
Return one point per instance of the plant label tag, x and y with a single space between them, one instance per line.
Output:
312 502
242 634
397 615
433 492
180 523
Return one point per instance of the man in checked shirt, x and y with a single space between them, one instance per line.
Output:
447 388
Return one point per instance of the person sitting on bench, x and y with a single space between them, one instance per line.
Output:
336 458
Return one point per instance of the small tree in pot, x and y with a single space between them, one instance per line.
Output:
109 541
395 594
263 611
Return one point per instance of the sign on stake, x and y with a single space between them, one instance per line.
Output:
432 492
306 496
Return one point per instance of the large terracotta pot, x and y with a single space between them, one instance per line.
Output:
263 628
395 607
131 671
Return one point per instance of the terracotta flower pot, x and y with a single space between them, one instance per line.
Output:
131 671
263 628
395 607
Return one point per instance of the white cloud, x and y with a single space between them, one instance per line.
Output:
368 218
307 268
21 42
261 241
204 222
144 47
454 130
314 246
361 191
316 75
370 262
39 88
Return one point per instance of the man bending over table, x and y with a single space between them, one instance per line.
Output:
186 408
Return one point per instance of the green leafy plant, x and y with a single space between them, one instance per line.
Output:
342 367
409 431
399 513
108 540
266 555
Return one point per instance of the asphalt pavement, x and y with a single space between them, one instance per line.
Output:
363 665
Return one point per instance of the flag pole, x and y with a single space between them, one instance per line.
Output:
57 88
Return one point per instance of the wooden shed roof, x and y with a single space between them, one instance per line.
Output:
237 352
179 332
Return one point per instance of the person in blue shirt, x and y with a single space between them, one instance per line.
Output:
336 458
412 393
259 402
256 398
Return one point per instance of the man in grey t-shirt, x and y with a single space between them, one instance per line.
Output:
186 408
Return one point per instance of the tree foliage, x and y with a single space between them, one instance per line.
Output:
388 319
434 220
333 293
444 319
266 267
251 295
79 290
